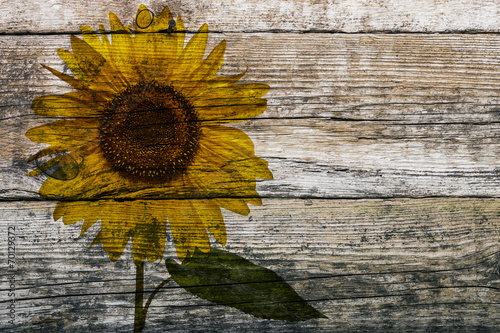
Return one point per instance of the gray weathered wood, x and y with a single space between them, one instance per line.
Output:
261 15
408 265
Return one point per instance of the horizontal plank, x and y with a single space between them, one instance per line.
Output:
261 15
411 265
349 116
406 78
339 159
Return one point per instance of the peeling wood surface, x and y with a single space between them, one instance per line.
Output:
359 126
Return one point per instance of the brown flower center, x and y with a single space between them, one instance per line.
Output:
150 133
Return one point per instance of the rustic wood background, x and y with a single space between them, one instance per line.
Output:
383 134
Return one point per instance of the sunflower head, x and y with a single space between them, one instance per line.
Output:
145 121
150 132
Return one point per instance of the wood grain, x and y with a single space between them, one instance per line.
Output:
259 15
405 264
373 105
384 115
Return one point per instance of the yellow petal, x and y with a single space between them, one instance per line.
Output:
94 178
211 216
112 243
106 45
254 167
65 132
235 205
180 35
155 53
187 228
71 105
92 67
148 240
88 59
67 167
234 103
74 211
222 181
90 37
97 180
225 164
191 57
81 86
116 24
160 22
236 91
103 47
207 71
69 215
119 222
122 51
256 201
229 143
215 83
118 219
212 64
78 85
107 52
203 87
48 151
72 63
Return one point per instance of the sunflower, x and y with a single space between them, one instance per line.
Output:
140 144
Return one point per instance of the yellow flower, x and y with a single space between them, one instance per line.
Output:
140 143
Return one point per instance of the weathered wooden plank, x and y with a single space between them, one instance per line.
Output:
348 115
410 265
260 15
409 78
310 158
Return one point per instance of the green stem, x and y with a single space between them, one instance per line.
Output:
141 312
153 294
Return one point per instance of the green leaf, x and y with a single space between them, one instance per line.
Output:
228 279
59 166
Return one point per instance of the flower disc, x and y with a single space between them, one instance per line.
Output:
149 132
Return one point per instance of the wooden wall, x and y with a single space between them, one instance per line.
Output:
383 135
